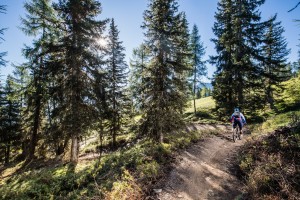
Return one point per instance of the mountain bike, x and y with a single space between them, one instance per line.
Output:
236 133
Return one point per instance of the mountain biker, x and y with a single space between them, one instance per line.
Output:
237 118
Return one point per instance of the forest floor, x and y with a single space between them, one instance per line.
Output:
206 170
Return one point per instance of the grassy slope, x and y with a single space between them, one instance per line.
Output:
204 108
206 103
270 163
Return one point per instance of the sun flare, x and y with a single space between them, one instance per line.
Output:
102 42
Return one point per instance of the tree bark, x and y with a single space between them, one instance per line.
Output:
74 149
7 153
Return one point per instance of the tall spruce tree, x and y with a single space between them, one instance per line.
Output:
10 118
275 53
117 71
22 80
140 58
223 80
81 29
199 68
2 54
163 87
237 80
39 22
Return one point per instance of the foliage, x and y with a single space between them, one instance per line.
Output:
165 86
275 52
239 36
2 54
199 68
10 119
138 63
123 174
39 25
116 96
289 97
280 120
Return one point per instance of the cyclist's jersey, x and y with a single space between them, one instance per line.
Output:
238 116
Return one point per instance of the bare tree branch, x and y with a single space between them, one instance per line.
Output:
295 7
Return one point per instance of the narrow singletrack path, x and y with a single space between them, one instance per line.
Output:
205 171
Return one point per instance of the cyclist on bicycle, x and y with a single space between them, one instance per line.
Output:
237 118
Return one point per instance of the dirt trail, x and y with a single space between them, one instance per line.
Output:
205 171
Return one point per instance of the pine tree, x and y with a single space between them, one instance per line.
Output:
165 83
10 118
199 68
40 25
81 31
223 80
2 54
117 71
275 52
239 34
140 58
22 80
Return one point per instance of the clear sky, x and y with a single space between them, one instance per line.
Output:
128 15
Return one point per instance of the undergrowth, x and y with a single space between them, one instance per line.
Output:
271 165
123 174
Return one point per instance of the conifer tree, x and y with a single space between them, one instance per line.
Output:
117 71
39 22
22 80
183 58
223 80
140 58
239 34
275 53
10 118
199 68
2 54
164 88
81 31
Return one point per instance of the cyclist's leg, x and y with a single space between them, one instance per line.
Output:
240 124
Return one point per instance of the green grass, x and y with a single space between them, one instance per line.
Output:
275 121
206 103
204 111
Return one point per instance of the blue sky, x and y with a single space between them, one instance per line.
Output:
128 15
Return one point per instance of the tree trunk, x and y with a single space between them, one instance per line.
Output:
74 149
7 153
161 136
195 82
101 139
36 125
270 98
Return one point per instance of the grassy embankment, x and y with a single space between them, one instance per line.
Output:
270 163
121 174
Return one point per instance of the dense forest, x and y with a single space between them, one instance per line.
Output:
76 86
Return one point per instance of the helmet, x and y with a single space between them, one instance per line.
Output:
236 110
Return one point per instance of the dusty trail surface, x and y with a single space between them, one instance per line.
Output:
205 171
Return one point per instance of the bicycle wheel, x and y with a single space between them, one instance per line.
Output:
234 135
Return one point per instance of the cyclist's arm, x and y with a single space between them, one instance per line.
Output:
243 118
